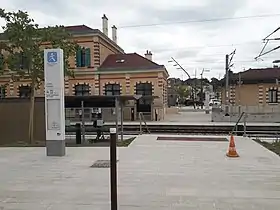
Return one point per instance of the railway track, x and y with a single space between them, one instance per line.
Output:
186 129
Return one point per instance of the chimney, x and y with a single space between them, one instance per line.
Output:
149 55
114 33
105 25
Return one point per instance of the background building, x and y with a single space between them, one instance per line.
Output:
257 87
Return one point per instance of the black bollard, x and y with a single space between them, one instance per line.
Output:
78 133
113 168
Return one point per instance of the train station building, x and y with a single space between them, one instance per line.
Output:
101 67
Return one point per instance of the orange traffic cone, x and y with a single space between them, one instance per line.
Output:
232 150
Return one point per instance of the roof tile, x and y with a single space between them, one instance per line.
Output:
258 74
128 61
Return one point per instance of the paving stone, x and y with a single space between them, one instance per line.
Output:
151 175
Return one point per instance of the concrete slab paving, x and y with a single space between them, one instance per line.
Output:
152 175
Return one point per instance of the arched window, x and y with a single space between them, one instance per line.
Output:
144 89
24 91
2 92
82 90
144 103
112 90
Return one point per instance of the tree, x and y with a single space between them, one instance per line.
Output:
22 43
182 91
215 83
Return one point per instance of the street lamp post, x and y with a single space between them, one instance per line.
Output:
180 67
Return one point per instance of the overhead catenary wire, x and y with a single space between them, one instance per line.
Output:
199 21
266 40
206 46
215 62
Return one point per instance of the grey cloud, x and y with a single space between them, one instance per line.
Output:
52 7
159 39
213 8
186 54
202 59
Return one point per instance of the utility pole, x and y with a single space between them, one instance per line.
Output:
239 93
201 89
228 66
195 96
227 87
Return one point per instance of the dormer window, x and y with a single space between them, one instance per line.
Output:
120 61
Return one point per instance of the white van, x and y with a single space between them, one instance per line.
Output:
215 102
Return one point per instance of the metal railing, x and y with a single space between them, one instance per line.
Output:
235 128
141 120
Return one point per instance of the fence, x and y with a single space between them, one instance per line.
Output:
254 114
254 109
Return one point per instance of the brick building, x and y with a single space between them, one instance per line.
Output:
258 87
129 74
102 67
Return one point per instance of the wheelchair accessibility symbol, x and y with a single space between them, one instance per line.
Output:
52 58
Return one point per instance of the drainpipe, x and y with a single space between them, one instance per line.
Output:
99 84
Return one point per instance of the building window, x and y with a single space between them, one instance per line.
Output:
144 104
2 92
144 89
24 91
23 61
273 96
83 57
2 61
112 90
82 90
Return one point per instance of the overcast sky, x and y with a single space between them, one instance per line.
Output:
194 45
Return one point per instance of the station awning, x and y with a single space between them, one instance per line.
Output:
98 101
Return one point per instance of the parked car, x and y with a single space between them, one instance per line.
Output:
215 102
190 102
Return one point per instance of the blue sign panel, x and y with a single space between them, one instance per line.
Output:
52 57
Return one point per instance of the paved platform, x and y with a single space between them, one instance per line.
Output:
152 175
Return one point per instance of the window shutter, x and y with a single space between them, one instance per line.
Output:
1 62
79 57
88 57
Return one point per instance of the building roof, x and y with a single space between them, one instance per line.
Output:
265 75
80 29
77 30
259 74
130 61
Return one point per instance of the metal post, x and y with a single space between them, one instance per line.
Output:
180 67
78 133
207 99
121 104
117 115
140 126
83 122
195 90
201 89
113 168
239 93
227 87
245 125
